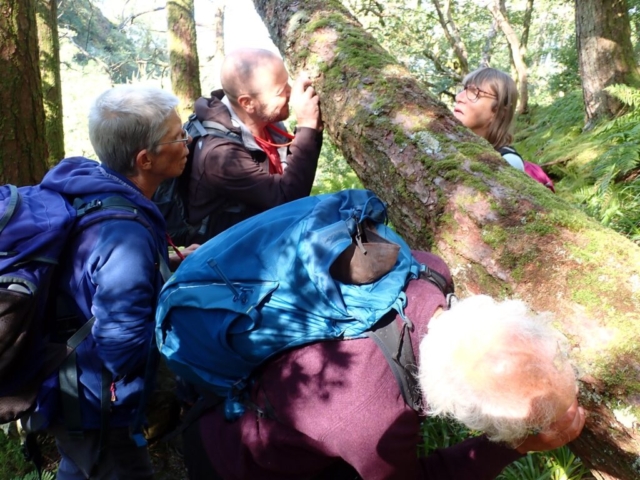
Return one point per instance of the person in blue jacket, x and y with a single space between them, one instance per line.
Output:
112 271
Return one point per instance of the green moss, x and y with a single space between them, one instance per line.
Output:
334 20
567 218
494 236
481 168
488 284
476 183
538 224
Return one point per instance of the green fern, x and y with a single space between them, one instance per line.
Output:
440 432
34 476
560 464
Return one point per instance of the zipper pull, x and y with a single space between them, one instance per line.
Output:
113 392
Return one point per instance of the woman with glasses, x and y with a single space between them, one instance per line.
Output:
486 105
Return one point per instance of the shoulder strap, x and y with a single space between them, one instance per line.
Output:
198 128
11 208
68 371
395 343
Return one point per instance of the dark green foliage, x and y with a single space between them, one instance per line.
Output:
125 51
334 173
568 79
599 170
12 461
439 432
558 464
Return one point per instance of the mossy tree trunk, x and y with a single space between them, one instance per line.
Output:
605 55
500 232
47 18
183 54
23 149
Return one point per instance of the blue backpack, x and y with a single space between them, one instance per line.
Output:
293 275
35 224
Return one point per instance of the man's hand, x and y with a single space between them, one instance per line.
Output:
562 431
175 260
305 103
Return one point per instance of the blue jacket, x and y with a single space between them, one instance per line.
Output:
111 271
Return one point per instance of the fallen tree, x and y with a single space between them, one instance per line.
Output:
501 233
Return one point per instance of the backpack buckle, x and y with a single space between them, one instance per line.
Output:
92 206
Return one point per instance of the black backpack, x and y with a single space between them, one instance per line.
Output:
172 196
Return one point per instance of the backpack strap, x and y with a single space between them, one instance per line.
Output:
395 345
11 208
202 128
68 376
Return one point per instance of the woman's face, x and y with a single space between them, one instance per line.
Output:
476 114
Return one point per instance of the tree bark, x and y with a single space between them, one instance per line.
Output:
500 233
453 35
23 151
218 56
526 26
485 60
605 54
183 55
47 18
516 54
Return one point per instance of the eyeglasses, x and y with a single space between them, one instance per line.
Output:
184 139
473 93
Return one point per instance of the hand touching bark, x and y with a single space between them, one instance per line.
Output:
305 103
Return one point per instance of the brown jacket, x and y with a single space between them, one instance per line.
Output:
231 182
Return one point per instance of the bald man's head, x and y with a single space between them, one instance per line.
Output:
244 70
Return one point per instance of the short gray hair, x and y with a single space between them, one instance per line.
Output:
127 119
496 367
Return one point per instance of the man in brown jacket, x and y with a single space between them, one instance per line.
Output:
232 180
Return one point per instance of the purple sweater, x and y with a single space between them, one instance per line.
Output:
339 399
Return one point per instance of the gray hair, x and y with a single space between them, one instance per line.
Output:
127 119
496 367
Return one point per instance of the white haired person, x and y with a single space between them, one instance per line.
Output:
500 369
111 276
334 410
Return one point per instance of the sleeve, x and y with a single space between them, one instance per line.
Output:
232 171
386 449
123 270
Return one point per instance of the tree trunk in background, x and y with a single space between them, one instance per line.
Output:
485 60
526 25
605 54
500 233
183 55
23 149
453 35
218 56
47 18
516 54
